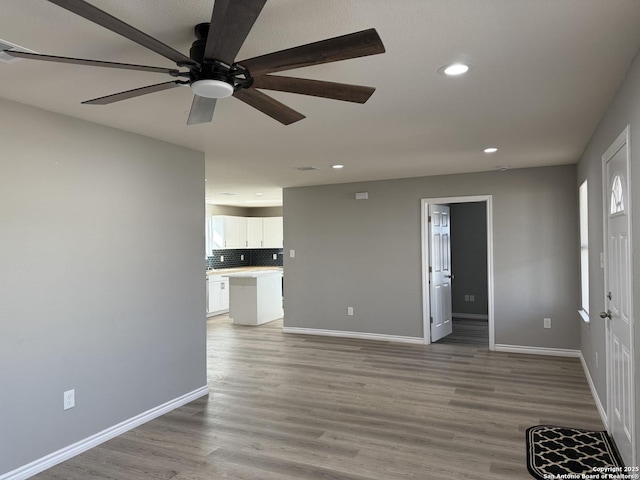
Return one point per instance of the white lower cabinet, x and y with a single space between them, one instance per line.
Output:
217 295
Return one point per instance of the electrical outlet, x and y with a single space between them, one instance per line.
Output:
241 257
222 258
472 298
547 323
466 298
69 399
292 254
275 256
350 311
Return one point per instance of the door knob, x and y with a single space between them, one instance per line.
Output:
450 276
606 314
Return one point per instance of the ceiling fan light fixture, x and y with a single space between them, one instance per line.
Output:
454 69
212 88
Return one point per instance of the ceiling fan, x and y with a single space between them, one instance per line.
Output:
212 71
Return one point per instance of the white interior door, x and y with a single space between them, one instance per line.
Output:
440 271
618 301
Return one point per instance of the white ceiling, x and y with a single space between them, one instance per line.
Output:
542 74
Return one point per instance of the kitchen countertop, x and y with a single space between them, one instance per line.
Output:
254 274
227 271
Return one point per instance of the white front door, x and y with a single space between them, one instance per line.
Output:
440 271
618 301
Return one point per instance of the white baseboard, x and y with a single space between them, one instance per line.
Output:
360 335
471 316
554 352
594 393
77 448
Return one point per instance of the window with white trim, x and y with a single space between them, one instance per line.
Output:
584 251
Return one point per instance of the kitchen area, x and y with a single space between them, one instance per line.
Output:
244 276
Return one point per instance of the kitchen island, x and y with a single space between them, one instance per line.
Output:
255 297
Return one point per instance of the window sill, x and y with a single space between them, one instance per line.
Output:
584 315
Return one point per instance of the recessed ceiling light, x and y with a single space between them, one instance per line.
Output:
490 150
258 194
337 167
227 194
454 69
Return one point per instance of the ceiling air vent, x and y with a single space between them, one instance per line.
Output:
307 169
5 58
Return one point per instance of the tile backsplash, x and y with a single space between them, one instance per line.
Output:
256 257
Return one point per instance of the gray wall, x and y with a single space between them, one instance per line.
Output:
264 212
367 254
226 210
624 110
243 211
101 278
469 257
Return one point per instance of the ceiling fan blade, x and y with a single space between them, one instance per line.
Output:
231 22
94 14
93 63
202 109
268 105
136 92
316 88
353 45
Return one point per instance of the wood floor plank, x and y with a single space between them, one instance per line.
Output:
284 407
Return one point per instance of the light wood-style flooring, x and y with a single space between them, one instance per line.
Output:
306 408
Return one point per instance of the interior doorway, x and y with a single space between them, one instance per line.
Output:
470 299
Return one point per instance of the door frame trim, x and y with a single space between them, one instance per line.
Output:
622 141
425 202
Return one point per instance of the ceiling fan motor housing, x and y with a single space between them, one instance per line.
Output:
211 69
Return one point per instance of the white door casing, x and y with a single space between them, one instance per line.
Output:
618 298
426 242
440 271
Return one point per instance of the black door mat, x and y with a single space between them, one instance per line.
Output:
556 451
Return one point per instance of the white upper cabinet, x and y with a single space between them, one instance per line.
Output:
228 232
217 233
254 232
235 232
224 231
273 233
208 235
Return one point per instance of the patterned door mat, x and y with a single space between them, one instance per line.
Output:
556 451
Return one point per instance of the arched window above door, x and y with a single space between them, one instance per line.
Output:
617 195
